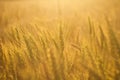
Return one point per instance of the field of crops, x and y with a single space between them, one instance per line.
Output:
60 40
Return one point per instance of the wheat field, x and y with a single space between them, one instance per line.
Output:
59 40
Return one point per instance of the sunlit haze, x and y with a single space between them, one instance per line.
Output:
59 39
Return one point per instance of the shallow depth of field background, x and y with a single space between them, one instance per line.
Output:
59 40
